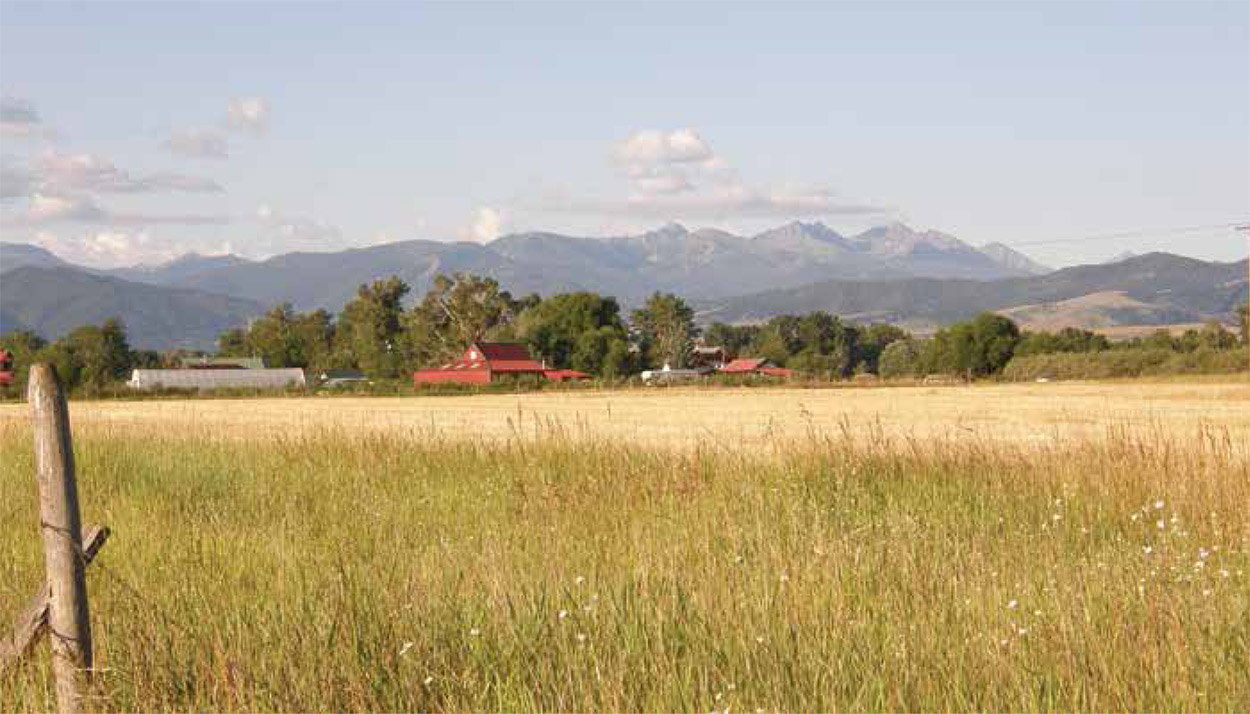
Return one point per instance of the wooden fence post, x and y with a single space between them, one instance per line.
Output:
60 524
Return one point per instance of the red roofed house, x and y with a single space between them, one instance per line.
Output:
480 363
755 366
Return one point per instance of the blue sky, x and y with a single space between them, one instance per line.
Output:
133 132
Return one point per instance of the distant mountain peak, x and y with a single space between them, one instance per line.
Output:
1013 259
672 228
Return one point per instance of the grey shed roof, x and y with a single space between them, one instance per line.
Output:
220 362
216 378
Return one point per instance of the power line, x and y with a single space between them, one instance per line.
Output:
1132 234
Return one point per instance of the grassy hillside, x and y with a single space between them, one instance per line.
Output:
53 301
343 571
1178 289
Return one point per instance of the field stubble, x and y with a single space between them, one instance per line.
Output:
852 567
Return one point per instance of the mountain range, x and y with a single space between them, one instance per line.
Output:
891 273
705 263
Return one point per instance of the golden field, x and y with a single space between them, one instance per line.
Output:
1021 414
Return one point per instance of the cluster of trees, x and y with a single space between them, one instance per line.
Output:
987 345
817 343
89 356
378 335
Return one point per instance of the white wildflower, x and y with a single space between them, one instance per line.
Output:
563 614
1012 605
404 650
1158 505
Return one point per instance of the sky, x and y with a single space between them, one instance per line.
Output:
135 132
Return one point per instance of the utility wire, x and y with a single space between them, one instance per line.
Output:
1132 234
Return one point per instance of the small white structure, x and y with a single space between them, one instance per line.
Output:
206 379
668 375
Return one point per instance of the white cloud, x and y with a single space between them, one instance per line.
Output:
660 163
53 209
295 232
198 144
248 114
47 208
487 225
115 249
656 147
20 120
110 249
722 203
87 172
676 175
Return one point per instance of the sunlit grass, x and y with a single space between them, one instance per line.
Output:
341 570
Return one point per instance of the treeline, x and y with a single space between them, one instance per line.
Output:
89 357
992 345
582 331
377 334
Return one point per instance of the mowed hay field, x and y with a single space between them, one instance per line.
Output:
750 418
1042 547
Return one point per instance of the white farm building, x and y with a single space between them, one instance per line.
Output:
207 379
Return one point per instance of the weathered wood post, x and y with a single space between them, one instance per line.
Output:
60 524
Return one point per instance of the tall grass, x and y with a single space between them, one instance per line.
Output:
350 571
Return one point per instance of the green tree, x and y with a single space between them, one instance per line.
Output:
456 312
1243 320
572 329
979 348
233 343
1069 339
98 355
604 351
312 335
370 329
900 358
872 341
272 338
666 327
734 339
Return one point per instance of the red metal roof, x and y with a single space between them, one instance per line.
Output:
503 351
751 364
501 357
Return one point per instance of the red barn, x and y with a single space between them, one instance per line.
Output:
480 363
6 368
755 366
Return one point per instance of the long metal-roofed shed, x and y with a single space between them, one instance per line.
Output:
209 379
223 363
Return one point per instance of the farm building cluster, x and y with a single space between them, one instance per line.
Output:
481 363
484 362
